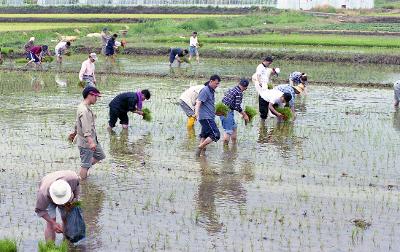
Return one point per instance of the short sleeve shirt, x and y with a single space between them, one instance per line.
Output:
207 98
264 73
36 50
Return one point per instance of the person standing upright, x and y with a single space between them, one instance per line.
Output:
86 74
205 112
105 36
110 48
194 47
85 130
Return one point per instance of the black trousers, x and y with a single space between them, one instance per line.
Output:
263 107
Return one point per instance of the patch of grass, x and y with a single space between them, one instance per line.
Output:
7 245
221 109
50 246
286 112
251 112
6 51
147 115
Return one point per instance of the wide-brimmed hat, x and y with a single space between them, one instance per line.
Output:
93 56
300 88
60 192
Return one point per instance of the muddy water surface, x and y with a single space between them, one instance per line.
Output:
284 187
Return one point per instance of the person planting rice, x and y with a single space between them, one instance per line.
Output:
297 78
61 49
293 90
86 74
124 103
37 53
187 101
110 48
261 78
396 88
273 97
56 190
85 132
233 99
193 47
205 112
177 54
105 36
28 46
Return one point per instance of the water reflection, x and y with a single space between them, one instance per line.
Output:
221 187
93 198
37 83
61 82
126 152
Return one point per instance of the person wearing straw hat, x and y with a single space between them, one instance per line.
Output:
28 46
56 190
293 90
85 135
86 74
124 103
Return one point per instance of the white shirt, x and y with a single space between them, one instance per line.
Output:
264 74
190 95
87 69
193 41
61 46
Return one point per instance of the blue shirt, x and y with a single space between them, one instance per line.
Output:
125 102
207 107
233 99
286 88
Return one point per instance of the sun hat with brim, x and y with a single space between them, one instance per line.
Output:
60 192
93 56
300 88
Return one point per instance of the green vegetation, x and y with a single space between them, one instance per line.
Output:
50 246
221 109
387 4
6 51
251 112
110 15
147 115
7 245
286 112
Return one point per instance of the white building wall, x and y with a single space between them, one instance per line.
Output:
309 4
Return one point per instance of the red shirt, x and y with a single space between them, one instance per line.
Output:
36 50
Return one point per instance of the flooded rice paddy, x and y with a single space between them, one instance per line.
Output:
304 186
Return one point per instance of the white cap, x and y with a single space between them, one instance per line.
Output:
277 70
32 39
93 56
60 192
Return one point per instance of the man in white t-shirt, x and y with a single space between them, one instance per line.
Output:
187 101
193 47
60 49
274 97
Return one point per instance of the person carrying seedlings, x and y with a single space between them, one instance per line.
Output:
193 47
187 101
261 79
110 47
85 132
37 53
105 36
124 103
293 90
56 190
28 46
177 54
396 88
233 99
297 78
60 49
205 112
86 74
274 98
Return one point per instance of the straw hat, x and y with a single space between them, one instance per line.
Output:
60 192
300 88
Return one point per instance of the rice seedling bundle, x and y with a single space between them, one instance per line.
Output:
50 246
21 61
251 112
6 51
48 59
7 245
286 112
147 115
221 109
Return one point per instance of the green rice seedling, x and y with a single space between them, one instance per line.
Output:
251 112
7 245
50 246
21 61
147 115
6 51
286 112
221 109
81 84
48 59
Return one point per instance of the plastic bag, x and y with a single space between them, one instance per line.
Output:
75 228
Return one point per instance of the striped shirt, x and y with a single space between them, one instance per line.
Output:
286 88
233 99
